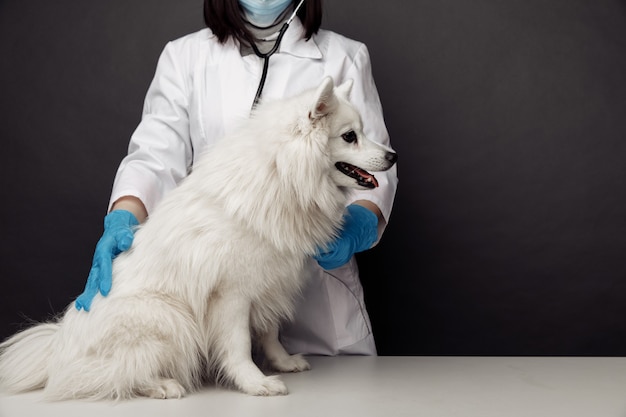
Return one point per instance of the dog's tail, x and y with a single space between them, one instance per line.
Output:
24 358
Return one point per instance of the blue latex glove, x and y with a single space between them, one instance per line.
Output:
360 231
117 237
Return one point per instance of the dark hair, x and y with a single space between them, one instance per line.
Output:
225 19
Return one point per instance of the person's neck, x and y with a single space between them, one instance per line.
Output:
264 37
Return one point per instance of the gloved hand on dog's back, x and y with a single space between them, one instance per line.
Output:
360 231
117 237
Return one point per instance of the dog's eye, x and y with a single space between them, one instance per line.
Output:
349 136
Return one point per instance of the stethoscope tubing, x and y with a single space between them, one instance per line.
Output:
266 61
266 56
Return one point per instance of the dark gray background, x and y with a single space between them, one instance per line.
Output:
508 235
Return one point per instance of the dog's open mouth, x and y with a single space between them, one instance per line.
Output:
362 177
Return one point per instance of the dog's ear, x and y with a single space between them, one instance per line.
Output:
322 99
344 89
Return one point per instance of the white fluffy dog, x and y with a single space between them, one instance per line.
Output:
216 267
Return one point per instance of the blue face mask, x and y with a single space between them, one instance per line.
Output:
263 13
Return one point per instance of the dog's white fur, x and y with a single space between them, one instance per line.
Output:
216 266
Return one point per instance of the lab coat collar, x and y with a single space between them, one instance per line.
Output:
295 44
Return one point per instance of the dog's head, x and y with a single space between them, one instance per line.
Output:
352 153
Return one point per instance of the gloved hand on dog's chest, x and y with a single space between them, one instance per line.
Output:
360 231
117 237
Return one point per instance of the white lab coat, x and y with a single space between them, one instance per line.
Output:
202 90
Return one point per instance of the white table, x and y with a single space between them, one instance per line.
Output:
391 387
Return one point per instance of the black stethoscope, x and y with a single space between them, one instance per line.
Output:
266 56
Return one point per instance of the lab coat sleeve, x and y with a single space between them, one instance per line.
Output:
160 150
364 96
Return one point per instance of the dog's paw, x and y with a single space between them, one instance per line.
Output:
293 363
267 386
165 388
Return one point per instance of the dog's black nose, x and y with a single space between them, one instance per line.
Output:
391 157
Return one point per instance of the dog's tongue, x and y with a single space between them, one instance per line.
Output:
367 176
362 177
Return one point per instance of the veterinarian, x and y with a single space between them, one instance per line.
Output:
204 86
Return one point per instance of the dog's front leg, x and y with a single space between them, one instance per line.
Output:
278 357
232 345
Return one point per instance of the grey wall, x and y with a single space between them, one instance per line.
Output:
508 235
